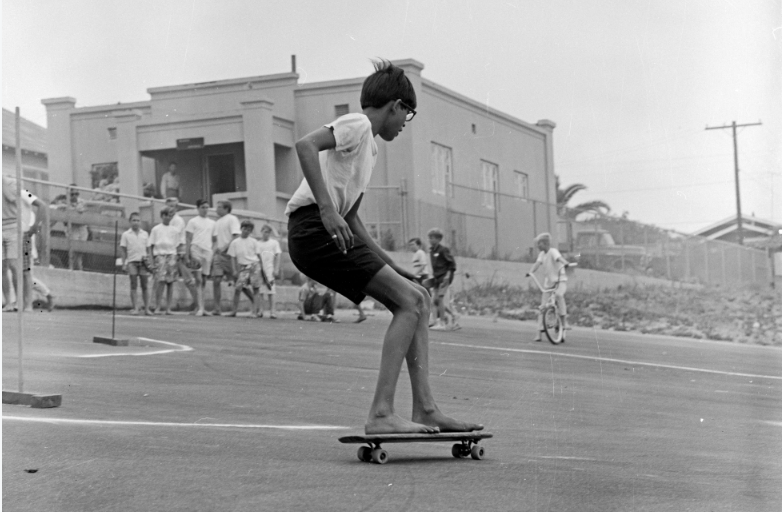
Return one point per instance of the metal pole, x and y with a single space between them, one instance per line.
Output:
496 224
706 260
21 299
114 292
739 230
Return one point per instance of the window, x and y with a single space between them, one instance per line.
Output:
442 170
522 184
341 110
490 173
112 133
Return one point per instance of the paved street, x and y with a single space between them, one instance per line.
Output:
243 415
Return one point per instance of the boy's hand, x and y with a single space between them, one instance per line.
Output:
338 229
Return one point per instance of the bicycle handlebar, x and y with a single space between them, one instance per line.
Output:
529 274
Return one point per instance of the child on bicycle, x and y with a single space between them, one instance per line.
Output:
554 275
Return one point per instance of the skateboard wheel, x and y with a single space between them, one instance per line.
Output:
380 456
365 454
456 451
477 452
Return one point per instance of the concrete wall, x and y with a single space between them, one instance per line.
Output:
88 289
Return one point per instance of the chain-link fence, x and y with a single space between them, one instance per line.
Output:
476 223
383 211
617 244
484 224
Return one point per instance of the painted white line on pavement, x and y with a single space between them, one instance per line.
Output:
179 348
608 360
166 424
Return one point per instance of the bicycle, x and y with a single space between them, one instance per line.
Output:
552 321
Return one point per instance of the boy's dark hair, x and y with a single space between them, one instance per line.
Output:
387 83
247 224
416 241
227 205
435 232
200 202
134 214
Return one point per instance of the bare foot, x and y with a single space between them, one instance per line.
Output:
147 312
446 424
396 425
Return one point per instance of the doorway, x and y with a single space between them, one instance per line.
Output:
220 174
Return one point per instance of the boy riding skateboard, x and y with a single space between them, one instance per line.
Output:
328 242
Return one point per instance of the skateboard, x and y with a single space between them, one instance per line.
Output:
467 444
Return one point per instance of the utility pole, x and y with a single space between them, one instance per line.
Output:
736 167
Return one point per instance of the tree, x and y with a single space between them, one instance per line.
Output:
571 212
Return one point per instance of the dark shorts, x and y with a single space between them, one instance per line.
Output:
315 253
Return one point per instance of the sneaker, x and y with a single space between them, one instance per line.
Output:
438 327
455 327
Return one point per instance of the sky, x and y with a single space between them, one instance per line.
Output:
631 85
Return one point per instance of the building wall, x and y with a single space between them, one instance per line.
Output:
448 120
276 111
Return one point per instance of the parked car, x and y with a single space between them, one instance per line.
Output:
597 249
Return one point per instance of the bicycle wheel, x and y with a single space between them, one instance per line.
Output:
552 325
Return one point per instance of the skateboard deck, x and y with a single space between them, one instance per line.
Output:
466 443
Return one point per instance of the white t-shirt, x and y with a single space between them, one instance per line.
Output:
245 250
135 243
224 229
201 228
10 210
165 239
421 263
268 250
549 264
347 168
178 222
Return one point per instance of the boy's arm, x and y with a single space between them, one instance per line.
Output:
42 214
124 253
276 265
360 231
307 148
451 265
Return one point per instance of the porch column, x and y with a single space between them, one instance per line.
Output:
551 193
58 135
259 156
128 157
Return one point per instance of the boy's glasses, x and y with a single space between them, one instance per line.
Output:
410 111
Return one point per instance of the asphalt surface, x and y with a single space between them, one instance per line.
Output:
244 414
